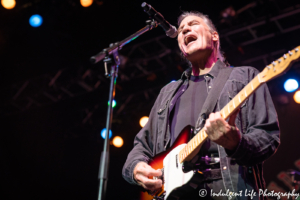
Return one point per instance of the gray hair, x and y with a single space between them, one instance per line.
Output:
210 25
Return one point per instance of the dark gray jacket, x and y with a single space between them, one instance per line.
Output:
257 121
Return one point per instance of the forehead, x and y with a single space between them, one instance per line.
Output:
191 18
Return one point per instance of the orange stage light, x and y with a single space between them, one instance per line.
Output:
8 4
86 3
297 97
143 121
117 141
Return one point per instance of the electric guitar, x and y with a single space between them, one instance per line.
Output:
176 180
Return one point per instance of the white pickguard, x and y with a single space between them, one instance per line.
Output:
173 175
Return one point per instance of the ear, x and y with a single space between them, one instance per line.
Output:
215 36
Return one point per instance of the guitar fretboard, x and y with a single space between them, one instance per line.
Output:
193 146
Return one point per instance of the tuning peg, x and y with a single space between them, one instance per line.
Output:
284 56
291 53
274 63
279 60
297 50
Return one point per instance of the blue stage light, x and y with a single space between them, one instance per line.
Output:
35 20
291 85
103 133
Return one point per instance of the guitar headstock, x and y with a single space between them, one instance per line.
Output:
280 66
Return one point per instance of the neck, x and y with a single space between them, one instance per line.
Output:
203 66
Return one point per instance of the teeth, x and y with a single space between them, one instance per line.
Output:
186 40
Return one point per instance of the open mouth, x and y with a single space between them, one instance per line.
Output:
189 39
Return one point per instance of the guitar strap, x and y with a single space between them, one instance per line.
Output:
212 98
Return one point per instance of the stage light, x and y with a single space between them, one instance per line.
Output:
8 4
103 133
86 3
117 141
291 85
143 121
173 81
114 103
297 97
35 20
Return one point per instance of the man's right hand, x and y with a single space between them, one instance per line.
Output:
141 174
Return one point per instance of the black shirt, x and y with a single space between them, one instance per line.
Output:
187 109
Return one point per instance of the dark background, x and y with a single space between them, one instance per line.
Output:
54 101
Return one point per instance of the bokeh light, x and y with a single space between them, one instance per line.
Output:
297 97
143 121
35 20
114 103
291 85
86 3
103 133
8 4
117 141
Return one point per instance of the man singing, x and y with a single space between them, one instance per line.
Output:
239 146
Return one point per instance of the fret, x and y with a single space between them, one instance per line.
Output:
256 82
223 113
193 143
259 78
204 135
228 109
239 98
252 85
200 136
245 92
233 103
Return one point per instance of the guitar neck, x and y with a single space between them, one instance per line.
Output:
193 146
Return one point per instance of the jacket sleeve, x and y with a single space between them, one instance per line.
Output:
261 139
143 146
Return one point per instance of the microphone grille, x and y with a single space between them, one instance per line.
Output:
172 32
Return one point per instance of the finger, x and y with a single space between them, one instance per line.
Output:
232 118
150 184
211 116
222 124
152 172
207 127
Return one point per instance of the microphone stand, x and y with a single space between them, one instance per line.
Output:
112 58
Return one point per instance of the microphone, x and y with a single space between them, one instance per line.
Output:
170 30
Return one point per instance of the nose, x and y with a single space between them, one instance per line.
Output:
186 29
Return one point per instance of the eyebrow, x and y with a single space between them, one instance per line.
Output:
194 20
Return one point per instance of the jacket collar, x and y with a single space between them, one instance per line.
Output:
213 72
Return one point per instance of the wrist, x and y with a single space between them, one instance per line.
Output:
234 140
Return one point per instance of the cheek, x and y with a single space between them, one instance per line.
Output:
180 41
